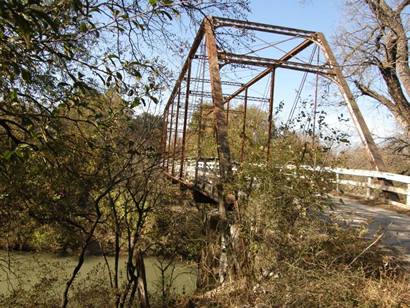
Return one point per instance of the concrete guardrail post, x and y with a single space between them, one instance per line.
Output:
337 182
368 188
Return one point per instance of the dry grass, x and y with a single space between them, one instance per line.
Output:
314 267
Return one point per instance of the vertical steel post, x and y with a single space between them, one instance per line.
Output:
270 125
315 104
221 129
192 51
188 82
227 113
164 137
170 133
199 154
245 108
176 131
221 133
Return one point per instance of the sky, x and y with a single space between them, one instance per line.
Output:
315 15
323 16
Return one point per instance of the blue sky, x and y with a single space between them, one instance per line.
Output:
323 16
316 15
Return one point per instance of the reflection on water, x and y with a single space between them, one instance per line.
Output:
30 268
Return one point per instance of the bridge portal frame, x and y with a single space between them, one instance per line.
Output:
216 57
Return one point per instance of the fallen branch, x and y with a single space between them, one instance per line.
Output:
367 248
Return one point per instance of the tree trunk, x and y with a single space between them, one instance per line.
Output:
142 281
382 44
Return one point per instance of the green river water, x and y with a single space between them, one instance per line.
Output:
29 268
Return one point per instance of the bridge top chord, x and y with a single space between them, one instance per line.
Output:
211 109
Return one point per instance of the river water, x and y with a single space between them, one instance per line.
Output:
29 268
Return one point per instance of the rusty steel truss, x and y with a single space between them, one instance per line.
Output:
201 102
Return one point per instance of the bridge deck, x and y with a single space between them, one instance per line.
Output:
395 225
352 212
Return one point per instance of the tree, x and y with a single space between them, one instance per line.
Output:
375 53
88 183
255 131
73 155
51 51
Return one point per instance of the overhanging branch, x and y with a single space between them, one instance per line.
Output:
373 94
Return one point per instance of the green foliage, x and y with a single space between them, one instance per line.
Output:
78 168
283 197
177 228
290 252
52 52
84 156
250 142
201 126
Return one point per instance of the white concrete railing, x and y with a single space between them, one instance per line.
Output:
372 181
209 170
371 178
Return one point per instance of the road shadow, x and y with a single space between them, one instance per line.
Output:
396 226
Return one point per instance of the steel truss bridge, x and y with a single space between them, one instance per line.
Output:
208 111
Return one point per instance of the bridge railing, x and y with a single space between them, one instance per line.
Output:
205 173
370 181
